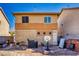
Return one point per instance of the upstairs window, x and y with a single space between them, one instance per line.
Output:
25 19
47 19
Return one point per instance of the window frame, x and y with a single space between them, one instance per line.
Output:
48 20
25 21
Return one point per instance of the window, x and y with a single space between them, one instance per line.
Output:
44 33
25 19
47 19
50 33
38 33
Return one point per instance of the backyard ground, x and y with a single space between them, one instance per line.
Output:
54 51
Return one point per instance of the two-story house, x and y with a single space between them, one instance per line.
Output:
4 24
35 26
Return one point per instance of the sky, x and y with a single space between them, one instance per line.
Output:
10 8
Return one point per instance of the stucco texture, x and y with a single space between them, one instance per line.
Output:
70 20
36 24
4 25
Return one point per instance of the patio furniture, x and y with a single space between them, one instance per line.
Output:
4 45
8 42
22 43
42 44
17 46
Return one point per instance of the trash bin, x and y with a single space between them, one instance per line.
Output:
65 44
72 46
32 44
36 44
0 45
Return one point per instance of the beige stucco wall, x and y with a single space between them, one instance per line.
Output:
4 26
36 18
70 20
23 35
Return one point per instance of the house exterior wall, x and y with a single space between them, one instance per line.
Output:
70 20
36 18
4 25
36 24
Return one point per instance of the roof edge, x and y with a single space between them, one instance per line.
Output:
71 8
20 13
68 9
4 15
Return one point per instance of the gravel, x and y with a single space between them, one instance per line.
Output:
54 51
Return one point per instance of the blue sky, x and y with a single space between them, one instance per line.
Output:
10 8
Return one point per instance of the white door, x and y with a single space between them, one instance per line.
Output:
54 37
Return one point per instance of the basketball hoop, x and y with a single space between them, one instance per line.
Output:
47 38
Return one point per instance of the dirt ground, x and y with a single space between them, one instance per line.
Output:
54 51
